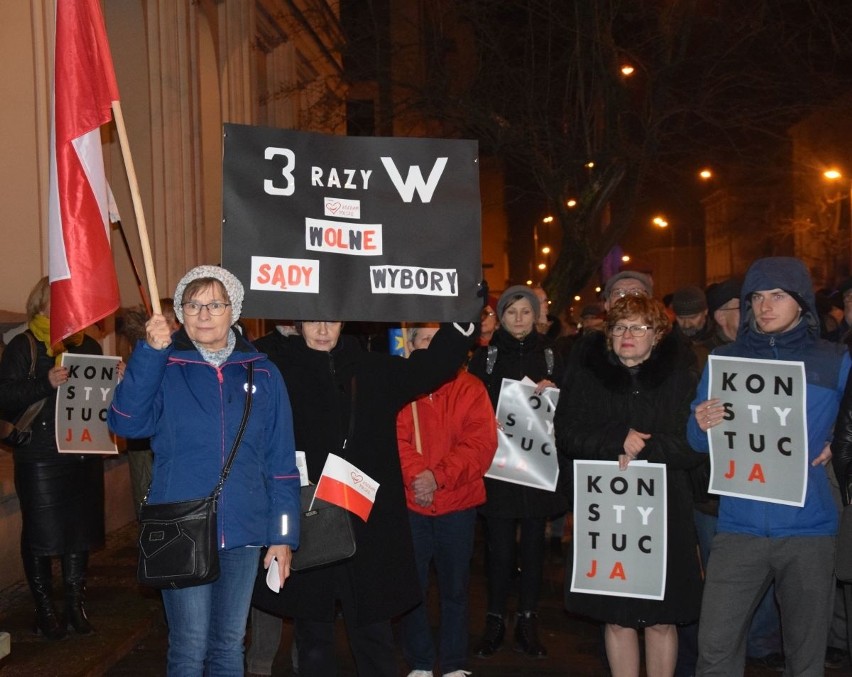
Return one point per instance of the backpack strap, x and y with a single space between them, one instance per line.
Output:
548 359
490 359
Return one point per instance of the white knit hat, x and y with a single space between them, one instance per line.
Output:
232 285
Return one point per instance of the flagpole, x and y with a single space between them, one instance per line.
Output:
145 302
151 276
418 445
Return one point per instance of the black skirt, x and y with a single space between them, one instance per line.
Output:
62 504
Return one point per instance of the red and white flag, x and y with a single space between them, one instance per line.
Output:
83 283
341 483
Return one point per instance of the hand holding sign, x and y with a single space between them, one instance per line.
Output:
709 413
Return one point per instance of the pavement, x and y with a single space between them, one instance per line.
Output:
131 638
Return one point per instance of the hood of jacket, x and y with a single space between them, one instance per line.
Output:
779 272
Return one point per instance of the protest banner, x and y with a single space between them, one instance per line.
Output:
620 535
760 450
526 451
82 403
321 227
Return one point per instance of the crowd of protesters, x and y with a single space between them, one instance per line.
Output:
748 581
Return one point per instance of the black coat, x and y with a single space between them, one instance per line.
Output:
598 404
382 574
18 391
516 359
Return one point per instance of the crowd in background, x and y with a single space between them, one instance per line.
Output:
632 373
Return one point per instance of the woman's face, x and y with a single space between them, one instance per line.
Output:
206 329
488 321
321 335
518 318
630 348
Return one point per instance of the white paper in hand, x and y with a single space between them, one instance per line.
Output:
273 580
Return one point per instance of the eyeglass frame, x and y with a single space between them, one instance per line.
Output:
624 329
621 293
201 306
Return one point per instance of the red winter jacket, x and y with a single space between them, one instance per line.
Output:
458 436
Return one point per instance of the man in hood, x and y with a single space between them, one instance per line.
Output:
759 542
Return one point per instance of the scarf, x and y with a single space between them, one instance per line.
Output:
40 327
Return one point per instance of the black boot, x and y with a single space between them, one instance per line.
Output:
74 573
526 635
38 572
492 638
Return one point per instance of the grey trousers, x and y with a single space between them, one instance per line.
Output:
740 570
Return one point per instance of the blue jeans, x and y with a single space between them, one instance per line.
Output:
207 623
446 540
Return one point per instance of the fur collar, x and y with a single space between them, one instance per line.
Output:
605 366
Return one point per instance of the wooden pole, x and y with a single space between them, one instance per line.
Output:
150 275
418 445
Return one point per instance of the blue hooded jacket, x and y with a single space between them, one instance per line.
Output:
191 410
826 368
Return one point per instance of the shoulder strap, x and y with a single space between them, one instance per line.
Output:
239 438
548 359
31 338
490 359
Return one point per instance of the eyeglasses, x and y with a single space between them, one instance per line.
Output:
621 293
636 330
215 308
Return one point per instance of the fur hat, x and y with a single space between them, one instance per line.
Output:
641 278
689 301
233 287
518 290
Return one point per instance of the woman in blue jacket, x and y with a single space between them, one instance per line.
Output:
187 392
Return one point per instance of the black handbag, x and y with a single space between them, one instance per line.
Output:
17 432
177 541
325 535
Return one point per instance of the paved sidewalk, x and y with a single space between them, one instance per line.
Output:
131 640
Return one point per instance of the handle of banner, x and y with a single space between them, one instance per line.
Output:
418 445
151 276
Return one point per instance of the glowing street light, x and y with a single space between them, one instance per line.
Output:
627 70
571 203
660 222
706 174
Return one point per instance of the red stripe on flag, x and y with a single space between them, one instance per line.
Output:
84 287
336 492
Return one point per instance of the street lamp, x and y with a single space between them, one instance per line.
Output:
834 175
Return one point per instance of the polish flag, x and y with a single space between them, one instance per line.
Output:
83 283
341 483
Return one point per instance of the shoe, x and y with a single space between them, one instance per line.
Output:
773 661
835 658
420 673
74 567
492 638
457 673
38 572
526 635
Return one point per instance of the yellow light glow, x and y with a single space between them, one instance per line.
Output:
577 298
706 174
545 250
589 165
542 266
832 174
627 70
529 283
660 222
571 203
547 219
625 258
597 290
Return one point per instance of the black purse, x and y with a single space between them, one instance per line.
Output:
177 541
17 431
325 535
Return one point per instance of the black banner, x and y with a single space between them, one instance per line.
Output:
321 227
